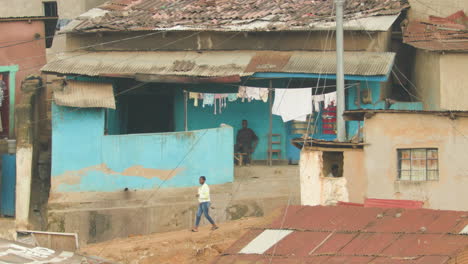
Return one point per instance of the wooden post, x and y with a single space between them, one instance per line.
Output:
270 131
185 110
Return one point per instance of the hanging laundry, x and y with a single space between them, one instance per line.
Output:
253 93
293 104
232 97
2 91
195 97
220 99
242 93
208 99
263 94
316 100
330 99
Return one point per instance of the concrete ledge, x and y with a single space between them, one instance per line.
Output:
97 217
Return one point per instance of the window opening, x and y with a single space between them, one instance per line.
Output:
420 164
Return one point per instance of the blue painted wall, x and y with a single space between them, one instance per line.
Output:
84 159
256 112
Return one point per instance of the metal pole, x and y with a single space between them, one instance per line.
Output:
185 110
270 131
340 91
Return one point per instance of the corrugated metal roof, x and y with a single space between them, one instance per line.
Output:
264 241
376 235
238 15
14 252
390 203
84 94
439 34
217 63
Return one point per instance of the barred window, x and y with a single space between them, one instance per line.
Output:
421 164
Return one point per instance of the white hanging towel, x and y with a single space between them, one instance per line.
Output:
293 104
316 99
330 98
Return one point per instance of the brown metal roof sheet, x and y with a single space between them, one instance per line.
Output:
84 94
235 15
439 34
376 235
217 63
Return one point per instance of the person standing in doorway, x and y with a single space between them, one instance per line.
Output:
246 141
334 171
204 204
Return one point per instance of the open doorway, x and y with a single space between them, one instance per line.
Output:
333 164
150 114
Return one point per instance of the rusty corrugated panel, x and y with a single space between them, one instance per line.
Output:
268 61
177 63
355 63
289 246
439 34
240 15
412 245
369 244
84 94
217 63
392 203
374 235
415 260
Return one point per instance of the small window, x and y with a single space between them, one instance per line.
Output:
418 164
50 9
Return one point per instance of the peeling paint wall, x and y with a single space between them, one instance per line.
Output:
84 160
454 81
312 40
385 133
422 9
426 74
316 189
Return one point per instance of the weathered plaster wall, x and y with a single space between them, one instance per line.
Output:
99 216
385 133
30 55
317 40
84 160
422 9
454 81
317 189
427 79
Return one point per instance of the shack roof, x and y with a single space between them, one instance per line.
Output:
361 114
439 33
350 234
236 15
216 63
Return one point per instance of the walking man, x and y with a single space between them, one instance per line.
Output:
204 204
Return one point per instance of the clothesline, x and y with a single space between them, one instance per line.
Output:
290 104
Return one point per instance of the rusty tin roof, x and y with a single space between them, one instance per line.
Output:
439 34
236 15
350 234
217 63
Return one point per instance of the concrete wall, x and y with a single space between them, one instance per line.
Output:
30 55
317 189
422 9
385 133
96 217
318 40
427 79
84 160
454 81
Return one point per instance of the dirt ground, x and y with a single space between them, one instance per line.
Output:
181 247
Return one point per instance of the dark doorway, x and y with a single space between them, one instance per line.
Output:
150 113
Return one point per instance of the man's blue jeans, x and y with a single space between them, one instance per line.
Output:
203 209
